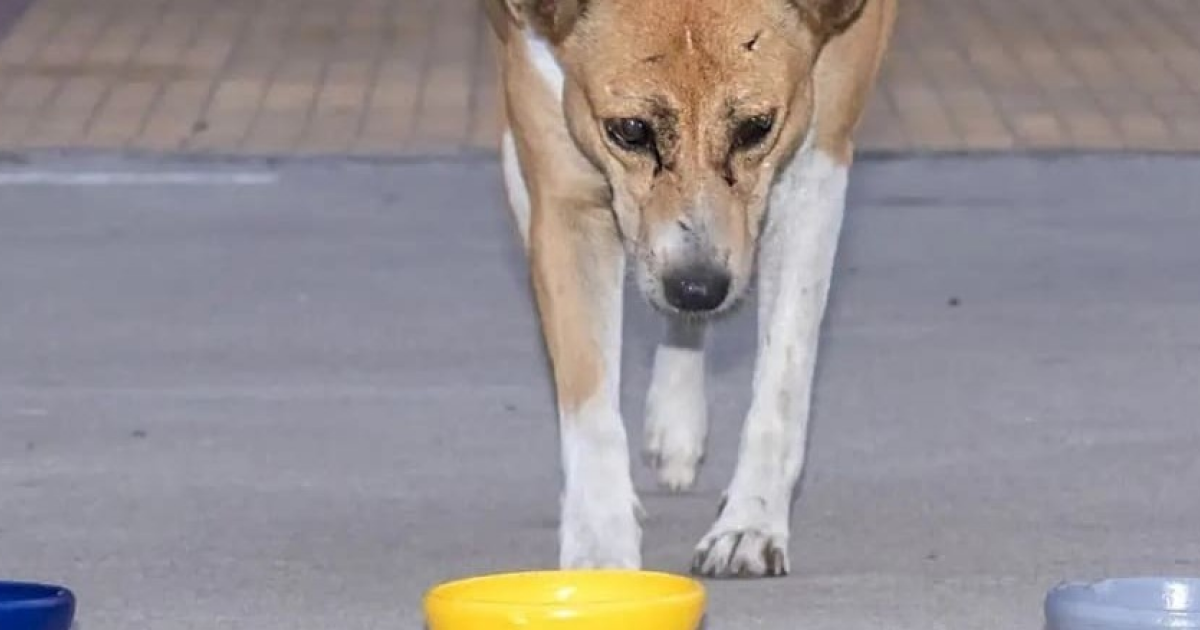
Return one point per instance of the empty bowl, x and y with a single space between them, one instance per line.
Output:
567 600
27 606
1138 603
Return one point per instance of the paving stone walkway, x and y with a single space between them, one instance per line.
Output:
375 77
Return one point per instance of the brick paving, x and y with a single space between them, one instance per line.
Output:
282 77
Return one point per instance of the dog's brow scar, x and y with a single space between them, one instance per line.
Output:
753 43
687 35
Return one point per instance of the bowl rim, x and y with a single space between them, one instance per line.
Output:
39 596
695 592
1098 595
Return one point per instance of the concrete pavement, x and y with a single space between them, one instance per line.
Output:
298 401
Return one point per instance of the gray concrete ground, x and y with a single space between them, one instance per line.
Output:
298 404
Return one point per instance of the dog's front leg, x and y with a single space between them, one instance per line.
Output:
676 406
750 537
578 271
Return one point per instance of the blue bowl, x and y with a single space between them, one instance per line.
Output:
1137 603
25 606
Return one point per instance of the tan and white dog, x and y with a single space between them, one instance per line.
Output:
698 141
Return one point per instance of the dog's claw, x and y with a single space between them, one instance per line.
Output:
740 554
777 563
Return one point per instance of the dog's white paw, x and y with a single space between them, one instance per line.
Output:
676 418
600 536
599 526
744 544
674 447
741 553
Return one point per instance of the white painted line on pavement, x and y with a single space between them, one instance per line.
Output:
107 178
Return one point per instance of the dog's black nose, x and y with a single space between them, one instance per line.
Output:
696 289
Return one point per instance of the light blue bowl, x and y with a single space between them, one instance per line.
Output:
1140 603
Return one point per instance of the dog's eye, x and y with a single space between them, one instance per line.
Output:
631 134
752 131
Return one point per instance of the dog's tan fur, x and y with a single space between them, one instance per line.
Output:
707 64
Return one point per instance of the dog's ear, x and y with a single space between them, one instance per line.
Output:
830 17
504 16
553 19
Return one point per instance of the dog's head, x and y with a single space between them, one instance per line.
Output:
689 107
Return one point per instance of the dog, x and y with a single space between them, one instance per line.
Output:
706 144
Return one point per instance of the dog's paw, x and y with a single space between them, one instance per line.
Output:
749 540
674 448
601 537
676 419
741 553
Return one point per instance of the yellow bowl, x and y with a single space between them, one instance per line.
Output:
567 600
